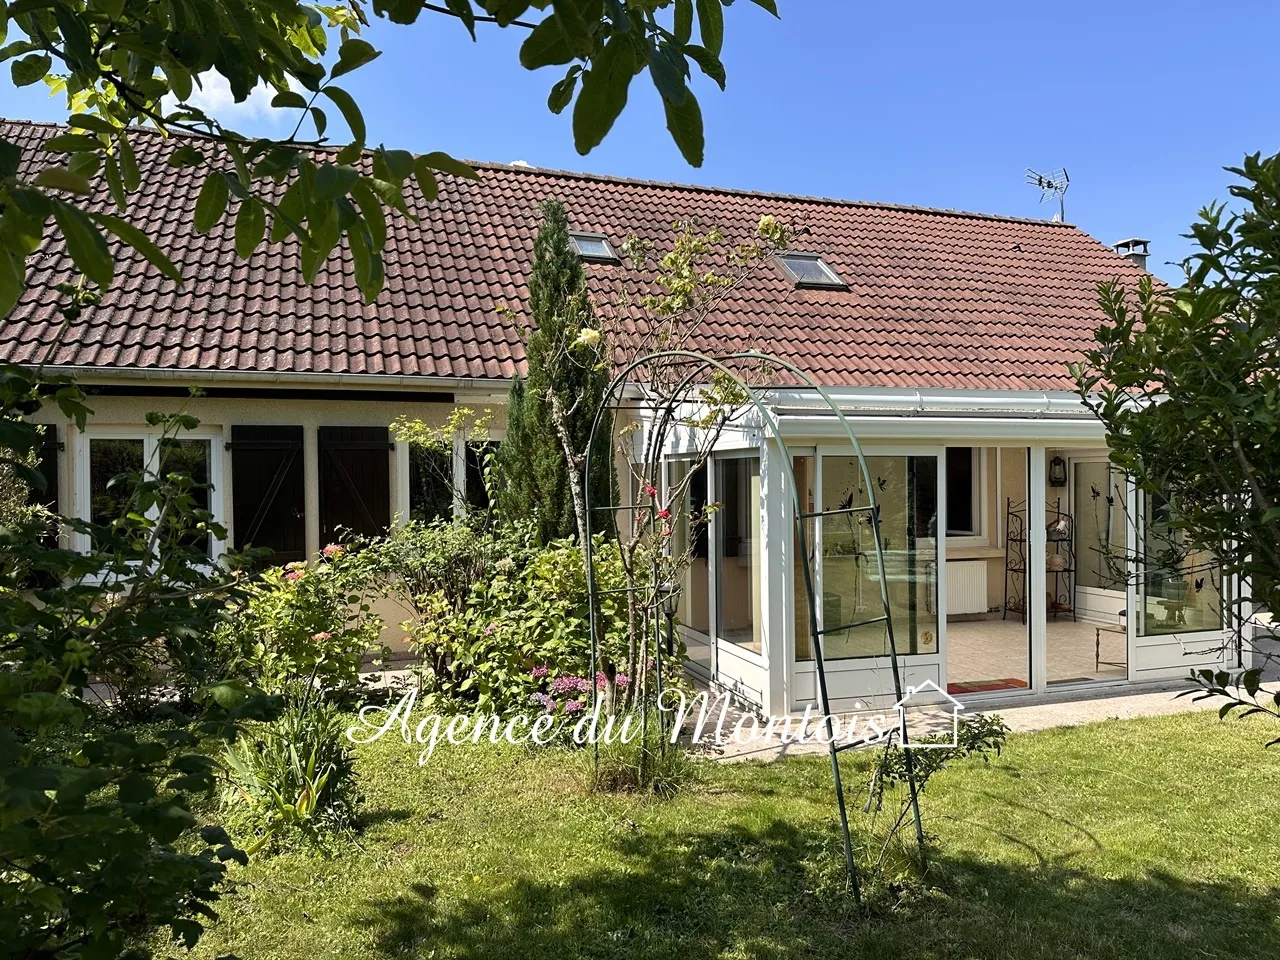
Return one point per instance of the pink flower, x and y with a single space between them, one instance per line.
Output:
573 706
293 575
332 550
666 531
622 680
539 671
664 514
321 637
491 629
650 490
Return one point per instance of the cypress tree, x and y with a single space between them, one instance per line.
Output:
534 470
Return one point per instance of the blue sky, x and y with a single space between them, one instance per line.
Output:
936 104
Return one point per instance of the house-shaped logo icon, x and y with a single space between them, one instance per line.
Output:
924 697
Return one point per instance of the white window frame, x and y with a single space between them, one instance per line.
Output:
150 437
980 537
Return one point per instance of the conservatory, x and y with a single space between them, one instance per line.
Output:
1017 559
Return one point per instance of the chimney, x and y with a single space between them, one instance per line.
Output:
1134 250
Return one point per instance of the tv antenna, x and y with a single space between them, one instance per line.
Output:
1052 185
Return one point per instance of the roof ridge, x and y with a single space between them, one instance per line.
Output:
769 194
668 184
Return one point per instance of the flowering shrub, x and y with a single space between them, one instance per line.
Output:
303 623
497 619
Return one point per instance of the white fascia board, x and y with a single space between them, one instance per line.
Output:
1030 403
971 429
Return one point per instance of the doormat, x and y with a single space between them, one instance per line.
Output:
983 686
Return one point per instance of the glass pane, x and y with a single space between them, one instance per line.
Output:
1101 525
689 543
190 457
109 459
481 458
961 492
592 246
808 270
988 641
430 484
804 467
738 549
907 491
1178 591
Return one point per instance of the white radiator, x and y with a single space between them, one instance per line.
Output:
966 587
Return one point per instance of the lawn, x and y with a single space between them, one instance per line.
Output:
1142 838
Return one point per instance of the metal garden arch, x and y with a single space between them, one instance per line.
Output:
701 369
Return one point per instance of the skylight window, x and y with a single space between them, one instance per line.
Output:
810 270
592 246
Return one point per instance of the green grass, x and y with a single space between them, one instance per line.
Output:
1148 838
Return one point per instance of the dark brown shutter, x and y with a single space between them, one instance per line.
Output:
268 496
355 481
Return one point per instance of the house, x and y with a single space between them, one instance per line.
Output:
944 335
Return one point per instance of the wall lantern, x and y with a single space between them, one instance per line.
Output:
1057 472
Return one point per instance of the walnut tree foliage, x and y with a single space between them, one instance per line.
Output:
123 63
1187 383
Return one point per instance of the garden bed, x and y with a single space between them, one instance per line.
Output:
1126 839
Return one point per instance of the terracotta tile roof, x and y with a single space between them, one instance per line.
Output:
935 298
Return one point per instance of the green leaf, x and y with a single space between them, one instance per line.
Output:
684 21
684 120
128 165
707 62
211 203
667 67
334 181
179 81
562 93
141 242
353 54
30 69
288 98
320 120
604 93
186 156
89 121
350 112
426 179
13 273
85 243
251 227
711 25
545 45
437 160
770 5
371 211
114 184
573 23
72 143
60 178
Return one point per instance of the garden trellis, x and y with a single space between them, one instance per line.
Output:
683 389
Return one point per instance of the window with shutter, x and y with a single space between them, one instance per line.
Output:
268 496
355 481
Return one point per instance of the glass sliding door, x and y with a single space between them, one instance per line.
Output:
988 631
906 488
738 552
687 499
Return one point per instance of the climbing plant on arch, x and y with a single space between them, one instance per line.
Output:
685 399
